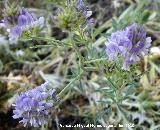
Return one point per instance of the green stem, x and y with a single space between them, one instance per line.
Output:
112 84
41 46
122 113
69 85
51 40
77 52
95 60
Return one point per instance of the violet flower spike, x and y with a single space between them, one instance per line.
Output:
27 20
86 14
131 44
14 34
34 105
22 20
84 9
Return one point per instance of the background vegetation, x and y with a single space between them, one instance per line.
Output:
69 53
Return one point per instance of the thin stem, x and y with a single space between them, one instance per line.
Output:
95 60
69 85
112 84
41 46
51 40
78 53
122 113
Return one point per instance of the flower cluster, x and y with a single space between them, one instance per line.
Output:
33 106
86 13
84 9
22 23
130 44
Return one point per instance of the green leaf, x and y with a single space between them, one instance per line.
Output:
114 24
80 86
130 91
105 89
145 16
6 96
1 66
53 79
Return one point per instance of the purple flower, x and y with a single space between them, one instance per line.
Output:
17 25
28 15
84 9
34 105
86 14
22 20
27 21
130 44
14 34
